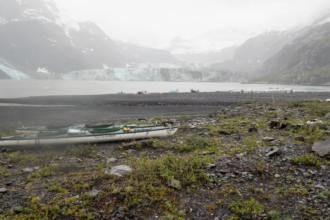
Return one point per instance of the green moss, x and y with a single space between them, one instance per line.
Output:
246 209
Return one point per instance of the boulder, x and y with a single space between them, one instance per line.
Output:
322 147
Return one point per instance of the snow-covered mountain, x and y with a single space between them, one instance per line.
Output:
39 40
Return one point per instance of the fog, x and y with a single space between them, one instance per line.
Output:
204 24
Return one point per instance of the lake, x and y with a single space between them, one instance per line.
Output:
26 88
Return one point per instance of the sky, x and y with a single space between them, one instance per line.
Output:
202 24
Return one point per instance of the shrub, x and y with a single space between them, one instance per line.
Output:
246 209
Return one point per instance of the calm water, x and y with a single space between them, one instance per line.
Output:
26 88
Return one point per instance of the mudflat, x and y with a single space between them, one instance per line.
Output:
96 108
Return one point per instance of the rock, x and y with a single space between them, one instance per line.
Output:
277 176
3 190
119 170
327 115
175 184
9 183
210 165
322 147
93 192
121 197
314 121
18 209
10 166
275 199
79 160
29 170
253 130
299 138
111 160
4 150
275 152
207 153
274 124
319 187
224 133
36 168
268 139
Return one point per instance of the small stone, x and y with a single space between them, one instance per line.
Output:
274 124
299 138
327 115
253 130
275 152
277 176
322 147
111 160
119 170
121 197
268 139
210 165
175 183
4 150
224 133
28 170
18 209
93 192
10 166
207 153
79 160
3 190
36 168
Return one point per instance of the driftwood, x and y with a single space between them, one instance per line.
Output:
322 147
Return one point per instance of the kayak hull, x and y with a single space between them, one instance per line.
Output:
80 139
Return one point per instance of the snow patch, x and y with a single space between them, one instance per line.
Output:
105 66
14 74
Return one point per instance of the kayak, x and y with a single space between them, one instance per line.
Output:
55 129
83 135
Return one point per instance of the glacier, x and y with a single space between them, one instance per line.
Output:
14 74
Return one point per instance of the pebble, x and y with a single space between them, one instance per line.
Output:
29 170
3 190
111 160
118 170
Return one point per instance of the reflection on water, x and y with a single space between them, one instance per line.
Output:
25 88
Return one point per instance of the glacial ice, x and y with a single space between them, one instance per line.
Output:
14 74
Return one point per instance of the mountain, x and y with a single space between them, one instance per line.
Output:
305 61
208 57
256 50
39 40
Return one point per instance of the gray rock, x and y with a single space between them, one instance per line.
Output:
93 192
275 199
268 139
210 165
119 170
29 170
18 209
3 190
322 147
121 197
207 153
327 115
111 160
175 184
277 176
275 152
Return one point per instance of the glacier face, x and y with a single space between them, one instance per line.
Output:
14 74
146 72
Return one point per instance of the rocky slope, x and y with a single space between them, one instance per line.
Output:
304 61
247 161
